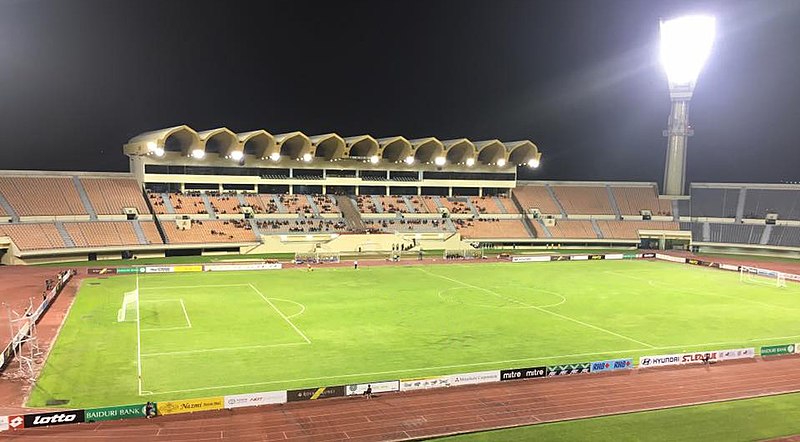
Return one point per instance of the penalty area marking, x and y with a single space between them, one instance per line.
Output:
212 350
185 315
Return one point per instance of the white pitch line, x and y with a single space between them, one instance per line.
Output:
166 328
186 315
211 350
288 321
138 338
166 287
577 321
302 307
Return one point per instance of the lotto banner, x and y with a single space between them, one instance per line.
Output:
255 399
191 405
54 418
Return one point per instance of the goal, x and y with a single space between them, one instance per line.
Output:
316 257
463 254
130 307
756 275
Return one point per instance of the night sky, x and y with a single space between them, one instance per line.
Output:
579 78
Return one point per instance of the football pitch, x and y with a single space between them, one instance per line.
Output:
210 334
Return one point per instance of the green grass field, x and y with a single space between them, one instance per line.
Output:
207 334
743 420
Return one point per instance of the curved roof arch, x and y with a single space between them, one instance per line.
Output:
328 146
520 152
259 143
394 149
427 149
362 146
459 150
294 144
181 139
222 141
491 151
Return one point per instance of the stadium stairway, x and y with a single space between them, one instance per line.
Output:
8 209
596 229
676 215
409 204
137 229
312 204
167 203
765 234
350 213
525 220
613 199
437 201
278 204
544 229
64 235
254 226
377 202
471 206
706 232
555 200
84 198
242 201
209 208
499 204
740 205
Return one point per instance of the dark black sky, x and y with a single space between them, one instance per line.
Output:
579 78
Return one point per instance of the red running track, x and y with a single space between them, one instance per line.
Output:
430 413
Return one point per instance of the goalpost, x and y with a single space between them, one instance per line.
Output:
316 257
130 307
463 254
761 276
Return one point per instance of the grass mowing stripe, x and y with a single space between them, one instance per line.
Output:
577 321
280 313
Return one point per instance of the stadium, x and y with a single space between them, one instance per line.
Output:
267 285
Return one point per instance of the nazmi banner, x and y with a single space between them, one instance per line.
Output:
197 268
190 405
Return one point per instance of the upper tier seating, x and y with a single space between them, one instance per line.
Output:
759 202
736 233
418 203
109 196
40 196
208 231
225 204
326 204
157 201
508 204
786 236
365 204
717 203
187 204
453 205
485 204
393 204
33 236
580 200
262 203
295 203
491 228
631 200
630 229
103 234
568 229
536 197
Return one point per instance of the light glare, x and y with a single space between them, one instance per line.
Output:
374 159
533 163
274 156
409 160
501 162
470 162
439 161
237 155
685 46
198 154
159 151
307 157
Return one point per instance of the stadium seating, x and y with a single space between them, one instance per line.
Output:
736 233
3 212
295 225
569 229
486 205
491 228
325 204
42 196
759 202
208 231
631 200
102 234
157 201
455 204
717 203
295 203
393 204
537 197
109 196
33 236
407 225
580 200
188 204
225 204
630 229
366 204
150 231
786 236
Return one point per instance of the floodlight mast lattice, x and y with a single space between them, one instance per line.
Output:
685 45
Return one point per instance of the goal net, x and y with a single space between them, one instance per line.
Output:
755 275
316 257
463 254
130 307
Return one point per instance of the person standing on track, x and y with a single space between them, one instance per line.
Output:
355 264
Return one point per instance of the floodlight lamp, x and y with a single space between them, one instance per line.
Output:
439 161
274 156
470 162
237 155
198 154
374 159
409 160
685 46
307 157
151 146
533 163
501 162
159 151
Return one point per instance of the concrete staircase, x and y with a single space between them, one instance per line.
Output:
525 220
613 200
167 203
312 204
84 198
64 235
278 204
8 209
350 213
499 204
377 202
597 230
409 204
137 228
555 200
547 232
740 205
765 234
209 207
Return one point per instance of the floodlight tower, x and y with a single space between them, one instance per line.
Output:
685 45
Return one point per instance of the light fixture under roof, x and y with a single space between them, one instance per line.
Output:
307 157
374 159
439 161
237 155
198 154
409 160
470 162
501 162
274 156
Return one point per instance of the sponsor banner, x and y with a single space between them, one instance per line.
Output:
530 258
580 257
377 387
310 394
596 257
775 350
102 271
191 405
156 269
738 353
611 365
16 422
424 383
54 418
615 256
647 255
560 258
239 267
695 358
523 373
128 270
729 267
480 377
255 399
566 369
114 413
700 262
178 269
3 423
670 258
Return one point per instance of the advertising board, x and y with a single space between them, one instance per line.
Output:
191 405
523 373
114 413
611 365
53 418
241 267
377 387
311 394
255 399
